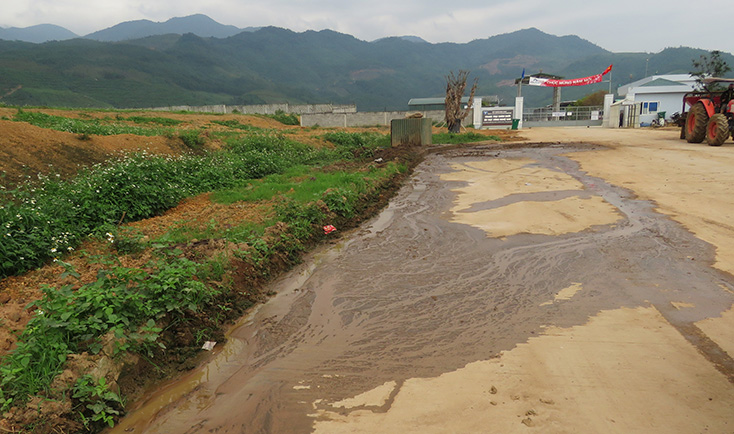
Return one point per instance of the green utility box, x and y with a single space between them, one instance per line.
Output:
411 132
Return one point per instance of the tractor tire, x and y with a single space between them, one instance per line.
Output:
696 124
717 130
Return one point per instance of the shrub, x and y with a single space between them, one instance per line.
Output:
192 138
285 118
120 301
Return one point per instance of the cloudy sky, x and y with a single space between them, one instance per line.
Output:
618 26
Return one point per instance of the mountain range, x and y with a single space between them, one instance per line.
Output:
196 61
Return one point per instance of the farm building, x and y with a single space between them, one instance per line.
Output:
656 94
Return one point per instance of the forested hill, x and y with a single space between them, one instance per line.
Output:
277 65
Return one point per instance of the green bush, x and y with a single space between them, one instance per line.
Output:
452 138
83 126
42 220
357 145
285 118
192 138
124 301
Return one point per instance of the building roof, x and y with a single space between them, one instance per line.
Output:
659 83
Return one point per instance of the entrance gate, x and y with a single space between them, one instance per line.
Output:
566 116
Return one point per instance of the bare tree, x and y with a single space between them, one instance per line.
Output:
455 86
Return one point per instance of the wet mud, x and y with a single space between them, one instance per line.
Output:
413 294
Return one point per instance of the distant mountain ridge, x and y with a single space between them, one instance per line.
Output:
198 24
273 65
37 34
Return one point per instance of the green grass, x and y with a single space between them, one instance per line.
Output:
234 124
300 183
72 320
284 118
242 233
42 220
453 139
85 126
166 122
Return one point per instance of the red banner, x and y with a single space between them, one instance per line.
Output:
548 82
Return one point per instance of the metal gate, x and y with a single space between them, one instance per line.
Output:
565 117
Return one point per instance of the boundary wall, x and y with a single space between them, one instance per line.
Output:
264 109
364 119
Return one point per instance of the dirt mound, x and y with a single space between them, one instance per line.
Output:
26 150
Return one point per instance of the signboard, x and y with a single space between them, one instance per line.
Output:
497 117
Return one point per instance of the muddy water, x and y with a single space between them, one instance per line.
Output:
415 295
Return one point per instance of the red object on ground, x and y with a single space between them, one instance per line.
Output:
329 229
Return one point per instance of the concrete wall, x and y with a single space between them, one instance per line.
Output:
367 119
669 103
264 109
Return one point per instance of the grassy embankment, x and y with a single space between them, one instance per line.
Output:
136 315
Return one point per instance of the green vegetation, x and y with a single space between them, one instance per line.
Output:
358 143
711 65
166 122
257 68
123 302
95 397
237 125
43 219
453 139
285 118
592 99
84 126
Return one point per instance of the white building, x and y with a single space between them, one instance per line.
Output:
658 93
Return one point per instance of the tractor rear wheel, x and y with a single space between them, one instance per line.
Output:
717 130
696 124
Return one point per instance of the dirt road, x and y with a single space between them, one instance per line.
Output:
561 288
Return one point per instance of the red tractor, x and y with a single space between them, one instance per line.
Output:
711 116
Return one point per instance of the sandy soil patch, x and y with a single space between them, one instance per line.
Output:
626 371
494 179
720 330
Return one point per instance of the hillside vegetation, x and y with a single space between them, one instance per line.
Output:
276 65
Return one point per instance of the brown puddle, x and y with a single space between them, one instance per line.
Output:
417 295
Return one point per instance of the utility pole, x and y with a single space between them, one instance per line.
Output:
610 81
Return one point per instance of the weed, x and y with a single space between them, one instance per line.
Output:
451 138
97 404
232 123
359 145
168 122
82 126
124 301
285 118
192 138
